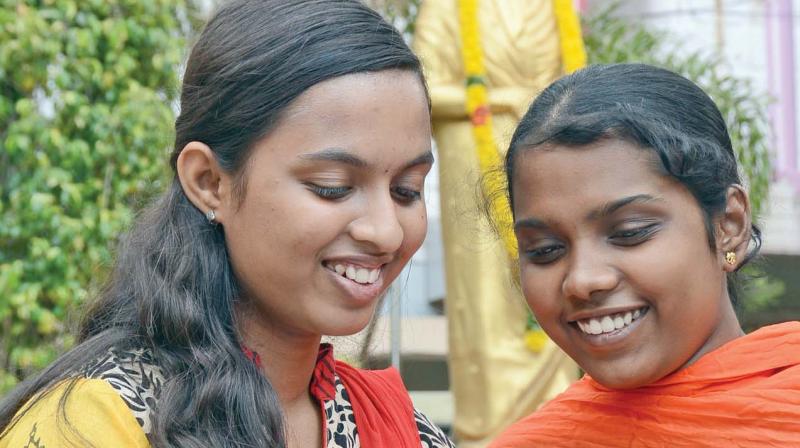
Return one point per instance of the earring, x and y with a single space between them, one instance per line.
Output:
211 217
730 257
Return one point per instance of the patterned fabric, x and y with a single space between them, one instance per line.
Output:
138 379
135 376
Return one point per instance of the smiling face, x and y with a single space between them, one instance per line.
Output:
615 262
333 207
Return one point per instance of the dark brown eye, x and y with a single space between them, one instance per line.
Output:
544 254
406 195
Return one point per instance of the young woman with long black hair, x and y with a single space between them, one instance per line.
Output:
301 150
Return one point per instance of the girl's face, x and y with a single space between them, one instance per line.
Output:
615 262
334 205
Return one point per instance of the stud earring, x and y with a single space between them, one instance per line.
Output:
730 257
211 217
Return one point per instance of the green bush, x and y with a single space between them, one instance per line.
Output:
86 88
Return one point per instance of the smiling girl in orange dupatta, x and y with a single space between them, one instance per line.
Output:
632 223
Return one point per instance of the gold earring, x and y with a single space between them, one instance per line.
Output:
730 257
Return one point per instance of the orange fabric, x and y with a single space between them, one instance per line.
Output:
744 394
381 406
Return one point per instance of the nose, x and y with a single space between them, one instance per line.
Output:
589 274
378 225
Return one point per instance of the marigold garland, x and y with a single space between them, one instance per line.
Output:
573 57
573 52
480 114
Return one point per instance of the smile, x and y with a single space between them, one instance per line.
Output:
610 323
355 273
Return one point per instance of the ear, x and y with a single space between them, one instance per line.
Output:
202 179
733 227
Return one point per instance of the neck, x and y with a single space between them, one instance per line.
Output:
287 359
727 330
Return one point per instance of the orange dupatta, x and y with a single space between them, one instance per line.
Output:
744 394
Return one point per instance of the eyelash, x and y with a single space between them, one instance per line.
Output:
403 195
543 255
406 195
628 238
633 237
330 193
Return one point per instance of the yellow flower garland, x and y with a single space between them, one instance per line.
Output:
573 53
480 113
573 57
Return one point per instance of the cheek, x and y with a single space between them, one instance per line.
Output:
415 227
675 268
541 292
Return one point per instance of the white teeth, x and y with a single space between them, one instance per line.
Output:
595 327
357 274
607 324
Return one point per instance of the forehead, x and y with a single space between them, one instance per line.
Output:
381 115
351 98
580 178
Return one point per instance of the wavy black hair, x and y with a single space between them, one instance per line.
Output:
652 108
172 289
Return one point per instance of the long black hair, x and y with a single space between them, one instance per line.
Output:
652 108
172 289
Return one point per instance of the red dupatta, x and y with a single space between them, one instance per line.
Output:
382 408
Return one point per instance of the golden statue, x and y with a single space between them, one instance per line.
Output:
495 378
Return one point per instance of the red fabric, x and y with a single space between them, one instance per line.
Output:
381 406
323 385
744 394
383 410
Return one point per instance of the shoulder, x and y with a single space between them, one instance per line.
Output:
88 402
134 375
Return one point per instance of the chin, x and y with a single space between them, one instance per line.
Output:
632 380
347 325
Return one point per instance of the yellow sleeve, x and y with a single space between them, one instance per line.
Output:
96 414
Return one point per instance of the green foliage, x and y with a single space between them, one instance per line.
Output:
85 124
400 13
610 39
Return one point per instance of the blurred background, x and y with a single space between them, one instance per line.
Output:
88 94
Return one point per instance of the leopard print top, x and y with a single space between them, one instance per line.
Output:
138 379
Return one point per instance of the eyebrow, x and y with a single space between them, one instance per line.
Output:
603 211
613 206
335 155
340 155
423 159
